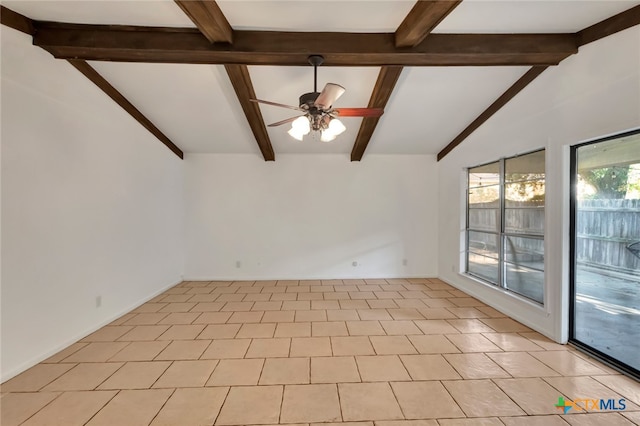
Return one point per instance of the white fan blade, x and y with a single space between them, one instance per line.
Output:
329 95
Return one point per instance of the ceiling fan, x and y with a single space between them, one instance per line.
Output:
318 111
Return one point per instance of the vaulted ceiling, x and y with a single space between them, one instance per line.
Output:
187 69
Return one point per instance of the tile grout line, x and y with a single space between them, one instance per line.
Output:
103 405
281 404
264 362
405 367
161 374
339 401
452 366
224 400
453 399
511 398
395 397
163 404
43 407
594 377
357 368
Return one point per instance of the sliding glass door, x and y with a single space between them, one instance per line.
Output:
606 249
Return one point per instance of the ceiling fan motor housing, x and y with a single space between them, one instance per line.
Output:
308 100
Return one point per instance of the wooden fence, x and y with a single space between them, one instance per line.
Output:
604 230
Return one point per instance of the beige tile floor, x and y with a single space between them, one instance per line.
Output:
412 352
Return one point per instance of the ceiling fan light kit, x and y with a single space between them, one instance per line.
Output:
334 129
318 112
299 128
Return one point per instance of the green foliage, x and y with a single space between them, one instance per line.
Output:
528 188
609 182
515 177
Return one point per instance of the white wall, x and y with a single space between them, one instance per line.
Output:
593 93
308 216
91 206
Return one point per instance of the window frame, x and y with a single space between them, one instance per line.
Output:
501 233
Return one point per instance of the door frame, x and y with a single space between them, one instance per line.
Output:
605 358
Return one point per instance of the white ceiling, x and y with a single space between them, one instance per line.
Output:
432 105
314 15
529 16
196 106
138 12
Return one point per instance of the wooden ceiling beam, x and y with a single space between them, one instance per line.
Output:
175 45
114 94
421 20
511 92
209 19
627 19
214 26
241 81
16 21
387 80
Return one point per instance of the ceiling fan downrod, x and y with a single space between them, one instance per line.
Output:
307 100
316 61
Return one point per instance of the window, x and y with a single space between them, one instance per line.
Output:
505 224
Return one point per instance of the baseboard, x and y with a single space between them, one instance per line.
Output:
307 277
6 375
513 314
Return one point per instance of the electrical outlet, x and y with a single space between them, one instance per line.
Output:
404 262
98 301
354 264
238 264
